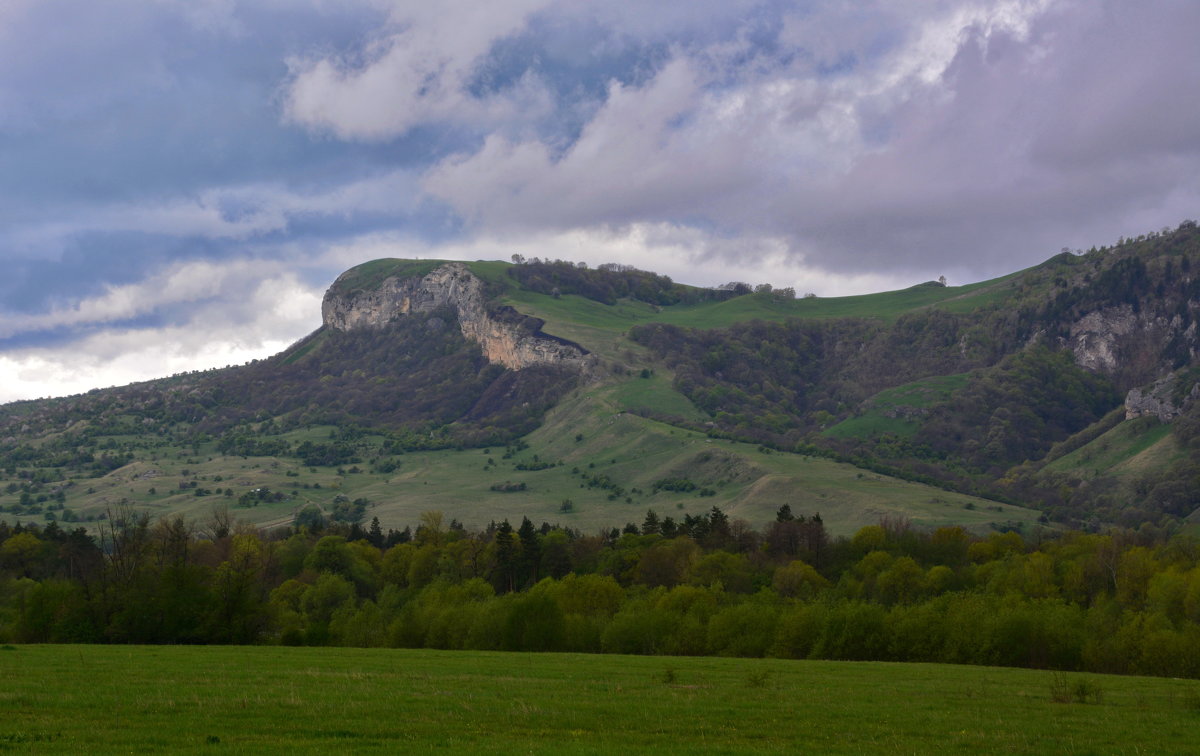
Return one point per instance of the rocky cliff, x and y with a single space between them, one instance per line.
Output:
1133 346
506 337
1163 399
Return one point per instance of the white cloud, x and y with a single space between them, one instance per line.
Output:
690 143
224 285
938 40
628 162
271 314
417 72
688 255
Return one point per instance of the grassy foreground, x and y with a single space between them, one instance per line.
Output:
105 699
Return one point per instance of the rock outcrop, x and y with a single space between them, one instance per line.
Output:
505 336
1133 346
1158 399
1095 338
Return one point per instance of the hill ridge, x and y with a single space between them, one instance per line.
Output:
426 355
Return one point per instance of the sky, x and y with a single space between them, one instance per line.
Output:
181 180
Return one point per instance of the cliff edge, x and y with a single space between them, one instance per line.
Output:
505 336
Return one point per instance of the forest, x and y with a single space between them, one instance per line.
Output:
611 282
1122 601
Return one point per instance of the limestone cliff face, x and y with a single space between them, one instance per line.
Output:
1133 346
506 337
1096 336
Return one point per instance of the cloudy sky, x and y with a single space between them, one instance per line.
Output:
181 179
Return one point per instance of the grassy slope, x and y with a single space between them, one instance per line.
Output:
122 699
1130 449
874 420
1126 451
371 274
601 327
749 482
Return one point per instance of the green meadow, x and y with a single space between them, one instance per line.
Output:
591 436
1129 449
222 699
602 327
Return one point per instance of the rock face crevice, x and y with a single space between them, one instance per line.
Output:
505 336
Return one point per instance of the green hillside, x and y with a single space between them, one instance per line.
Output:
1132 448
895 410
747 394
601 326
592 451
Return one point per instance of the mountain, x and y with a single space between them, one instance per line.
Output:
490 390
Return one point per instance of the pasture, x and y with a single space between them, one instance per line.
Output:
138 699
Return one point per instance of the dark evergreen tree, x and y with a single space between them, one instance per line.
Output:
531 552
504 570
668 528
650 525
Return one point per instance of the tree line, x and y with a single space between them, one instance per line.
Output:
1113 602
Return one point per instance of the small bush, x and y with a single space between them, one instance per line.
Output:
1081 690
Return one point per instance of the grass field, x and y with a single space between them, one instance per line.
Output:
122 699
1131 448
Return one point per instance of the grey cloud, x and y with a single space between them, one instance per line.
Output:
416 72
1123 90
983 137
1042 143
